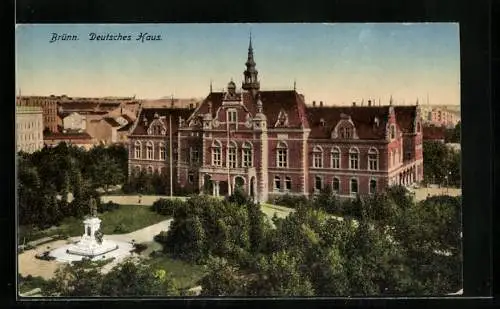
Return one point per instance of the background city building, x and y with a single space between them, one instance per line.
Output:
29 128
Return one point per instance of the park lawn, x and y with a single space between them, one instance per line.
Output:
184 274
270 209
125 219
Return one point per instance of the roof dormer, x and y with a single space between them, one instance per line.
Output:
345 128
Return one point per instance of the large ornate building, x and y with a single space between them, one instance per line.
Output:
271 143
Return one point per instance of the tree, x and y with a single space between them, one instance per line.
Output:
279 275
132 278
222 279
106 172
77 279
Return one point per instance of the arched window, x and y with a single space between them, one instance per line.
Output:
162 151
231 154
373 186
150 170
318 157
149 151
137 150
282 155
288 183
393 131
336 185
216 154
418 126
277 183
246 155
354 186
373 159
318 183
353 159
335 162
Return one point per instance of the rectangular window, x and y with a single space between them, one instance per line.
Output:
335 160
317 160
318 183
247 158
162 153
336 185
282 159
216 157
354 186
372 162
232 157
373 186
288 184
353 161
194 155
232 116
277 184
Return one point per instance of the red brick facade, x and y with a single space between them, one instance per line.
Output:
271 143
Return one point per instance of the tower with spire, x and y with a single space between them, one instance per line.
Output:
250 80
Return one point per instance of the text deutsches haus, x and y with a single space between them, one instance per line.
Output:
143 37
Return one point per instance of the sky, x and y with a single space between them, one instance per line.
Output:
334 63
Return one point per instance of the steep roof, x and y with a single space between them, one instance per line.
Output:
363 118
112 122
126 127
149 114
272 101
405 116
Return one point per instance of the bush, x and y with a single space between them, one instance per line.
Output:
291 201
109 206
162 237
138 248
167 207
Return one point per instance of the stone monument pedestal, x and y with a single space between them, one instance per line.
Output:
89 246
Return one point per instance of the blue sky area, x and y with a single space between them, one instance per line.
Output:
334 63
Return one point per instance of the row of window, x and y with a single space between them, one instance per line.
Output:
232 157
28 125
319 185
30 137
335 158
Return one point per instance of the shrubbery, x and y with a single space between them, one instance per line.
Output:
291 201
109 206
167 207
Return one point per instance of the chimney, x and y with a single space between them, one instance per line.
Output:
314 103
369 102
353 103
320 103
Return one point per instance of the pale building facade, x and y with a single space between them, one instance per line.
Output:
29 128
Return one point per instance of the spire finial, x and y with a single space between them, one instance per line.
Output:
416 102
250 42
294 85
210 85
390 100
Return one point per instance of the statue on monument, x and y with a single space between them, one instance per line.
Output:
93 207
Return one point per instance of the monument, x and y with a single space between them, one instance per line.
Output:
92 243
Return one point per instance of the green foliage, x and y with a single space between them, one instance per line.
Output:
129 278
441 164
58 171
167 207
222 279
279 275
290 201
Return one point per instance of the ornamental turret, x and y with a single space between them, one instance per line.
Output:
250 80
